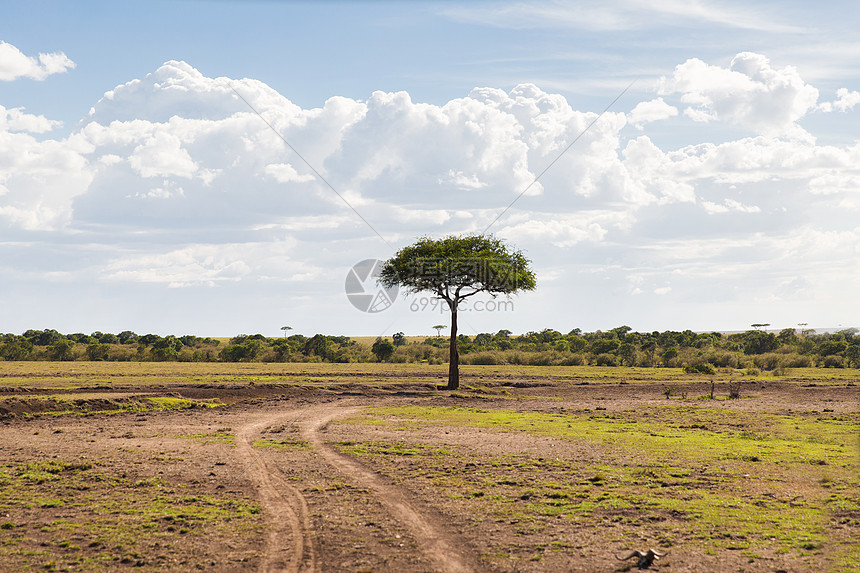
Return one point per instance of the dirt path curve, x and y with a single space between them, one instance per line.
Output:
290 540
444 550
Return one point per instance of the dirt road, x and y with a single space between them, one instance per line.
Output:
290 540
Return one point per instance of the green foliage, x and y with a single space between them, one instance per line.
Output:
456 266
62 350
382 349
697 353
701 368
758 342
98 352
15 348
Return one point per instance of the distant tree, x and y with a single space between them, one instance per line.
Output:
285 329
604 345
15 348
147 339
383 349
243 352
399 338
758 342
45 337
454 269
127 337
317 345
831 347
190 340
98 352
668 355
165 349
787 336
484 339
627 353
852 355
108 338
63 350
621 331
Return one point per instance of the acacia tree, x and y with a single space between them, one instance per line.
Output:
454 269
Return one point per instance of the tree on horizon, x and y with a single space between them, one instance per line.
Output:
455 268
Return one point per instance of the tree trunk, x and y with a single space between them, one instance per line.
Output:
454 359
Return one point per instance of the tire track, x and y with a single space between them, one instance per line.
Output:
290 544
442 549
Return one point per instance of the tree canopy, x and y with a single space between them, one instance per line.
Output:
455 268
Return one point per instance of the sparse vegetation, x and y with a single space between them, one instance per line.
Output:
705 354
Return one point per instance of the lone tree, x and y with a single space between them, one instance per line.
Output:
438 328
285 329
455 268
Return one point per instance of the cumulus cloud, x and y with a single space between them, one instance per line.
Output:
177 158
648 111
845 100
14 119
749 93
211 264
14 64
286 173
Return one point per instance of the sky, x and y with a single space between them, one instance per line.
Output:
220 168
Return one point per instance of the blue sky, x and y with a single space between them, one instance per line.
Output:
720 190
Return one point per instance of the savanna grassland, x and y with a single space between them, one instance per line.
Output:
371 467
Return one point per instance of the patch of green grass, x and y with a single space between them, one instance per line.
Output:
217 437
172 403
107 520
288 444
742 480
389 449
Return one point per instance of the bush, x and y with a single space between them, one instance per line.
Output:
700 368
98 352
723 359
489 358
63 350
834 361
540 359
768 361
795 360
606 359
572 360
383 349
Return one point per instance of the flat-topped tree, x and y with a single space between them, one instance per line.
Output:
454 269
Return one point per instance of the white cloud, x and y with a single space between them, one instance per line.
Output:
14 119
835 182
211 264
749 93
162 155
846 100
40 179
729 205
14 64
564 230
648 111
176 158
286 173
